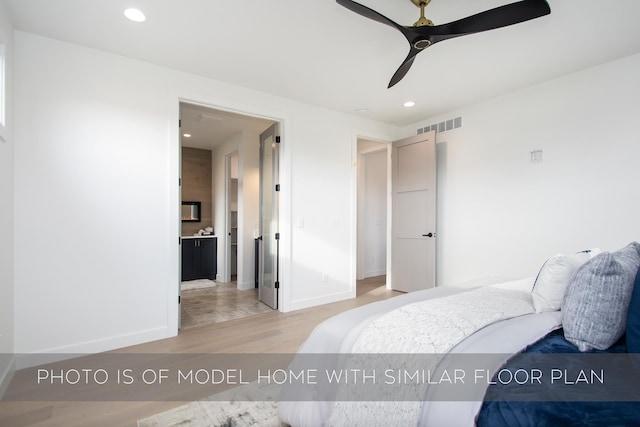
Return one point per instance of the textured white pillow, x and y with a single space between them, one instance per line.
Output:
554 277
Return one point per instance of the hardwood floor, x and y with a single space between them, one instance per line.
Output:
270 332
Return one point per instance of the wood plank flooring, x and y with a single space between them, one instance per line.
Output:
270 332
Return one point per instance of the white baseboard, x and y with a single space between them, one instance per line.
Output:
327 299
6 373
35 358
374 273
246 286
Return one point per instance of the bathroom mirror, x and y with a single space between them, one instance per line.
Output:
191 211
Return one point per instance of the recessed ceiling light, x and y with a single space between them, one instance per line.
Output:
362 110
186 135
409 104
135 15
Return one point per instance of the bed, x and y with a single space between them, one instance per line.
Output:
580 304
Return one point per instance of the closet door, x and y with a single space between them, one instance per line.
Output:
413 233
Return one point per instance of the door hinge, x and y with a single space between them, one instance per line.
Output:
179 123
277 285
277 187
277 236
277 139
179 240
178 299
179 182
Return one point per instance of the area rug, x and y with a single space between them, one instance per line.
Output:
197 284
236 411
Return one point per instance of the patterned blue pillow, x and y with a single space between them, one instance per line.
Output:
633 318
595 306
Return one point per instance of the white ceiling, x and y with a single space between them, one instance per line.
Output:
321 53
209 128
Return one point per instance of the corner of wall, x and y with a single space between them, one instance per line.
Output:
7 275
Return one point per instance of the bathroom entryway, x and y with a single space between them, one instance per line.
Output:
228 194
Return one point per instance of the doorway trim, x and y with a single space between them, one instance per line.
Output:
261 111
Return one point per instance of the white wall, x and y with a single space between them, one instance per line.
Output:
499 214
247 145
96 195
6 209
219 190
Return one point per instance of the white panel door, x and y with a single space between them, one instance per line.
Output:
413 230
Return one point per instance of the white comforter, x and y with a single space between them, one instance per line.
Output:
489 320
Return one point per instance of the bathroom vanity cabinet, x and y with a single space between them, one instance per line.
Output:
199 258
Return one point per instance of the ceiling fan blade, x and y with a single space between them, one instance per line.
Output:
368 13
421 37
404 68
502 16
372 14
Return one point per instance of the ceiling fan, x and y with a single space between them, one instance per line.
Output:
423 33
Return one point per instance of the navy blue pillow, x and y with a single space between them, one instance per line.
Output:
633 318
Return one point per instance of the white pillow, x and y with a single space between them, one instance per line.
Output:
523 285
554 277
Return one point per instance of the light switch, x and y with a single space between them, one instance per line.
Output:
536 156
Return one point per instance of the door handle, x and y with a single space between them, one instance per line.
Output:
429 235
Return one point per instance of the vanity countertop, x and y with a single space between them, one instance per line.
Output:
210 236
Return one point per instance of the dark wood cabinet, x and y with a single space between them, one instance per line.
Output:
199 258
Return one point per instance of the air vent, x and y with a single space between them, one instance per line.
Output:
208 118
442 126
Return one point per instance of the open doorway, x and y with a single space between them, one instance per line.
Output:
372 214
227 188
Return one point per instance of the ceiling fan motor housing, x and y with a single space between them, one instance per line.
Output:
421 44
